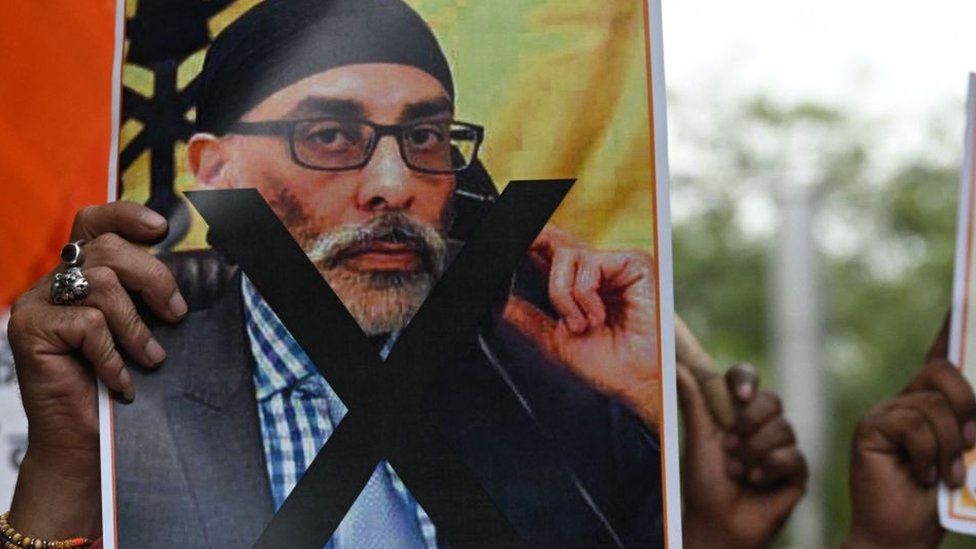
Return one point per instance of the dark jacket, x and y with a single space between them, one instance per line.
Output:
568 467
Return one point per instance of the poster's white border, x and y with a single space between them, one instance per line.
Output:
669 390
106 440
959 294
669 427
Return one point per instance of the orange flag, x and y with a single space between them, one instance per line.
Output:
55 128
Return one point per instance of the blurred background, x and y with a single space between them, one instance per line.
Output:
815 152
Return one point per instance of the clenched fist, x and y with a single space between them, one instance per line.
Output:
606 333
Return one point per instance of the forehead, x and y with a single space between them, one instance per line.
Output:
384 91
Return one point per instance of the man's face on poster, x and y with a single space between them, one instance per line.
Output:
374 230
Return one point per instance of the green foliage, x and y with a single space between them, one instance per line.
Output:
886 232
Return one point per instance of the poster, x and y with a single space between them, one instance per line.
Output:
424 247
957 508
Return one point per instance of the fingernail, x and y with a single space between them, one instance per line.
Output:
735 468
744 391
755 475
932 476
177 305
128 388
958 472
969 433
152 220
731 442
155 351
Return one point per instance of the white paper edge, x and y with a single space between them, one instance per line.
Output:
669 447
669 390
963 243
105 435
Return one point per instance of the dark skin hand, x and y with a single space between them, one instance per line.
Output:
739 486
60 351
902 448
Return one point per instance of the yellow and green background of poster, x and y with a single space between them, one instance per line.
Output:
562 87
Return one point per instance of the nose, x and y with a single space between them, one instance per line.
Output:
388 184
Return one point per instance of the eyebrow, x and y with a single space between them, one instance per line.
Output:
350 108
324 106
426 109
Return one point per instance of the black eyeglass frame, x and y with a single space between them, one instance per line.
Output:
286 129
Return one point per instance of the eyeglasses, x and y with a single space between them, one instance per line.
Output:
338 144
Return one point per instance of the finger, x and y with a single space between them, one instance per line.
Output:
940 347
545 245
85 329
783 465
942 376
743 382
586 290
944 425
908 432
769 437
139 272
561 278
764 407
551 238
698 419
131 220
124 322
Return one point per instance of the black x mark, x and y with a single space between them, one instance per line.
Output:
383 398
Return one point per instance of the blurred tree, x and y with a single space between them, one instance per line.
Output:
886 233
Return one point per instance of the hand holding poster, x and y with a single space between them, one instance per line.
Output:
438 390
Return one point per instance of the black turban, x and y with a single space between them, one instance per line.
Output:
280 42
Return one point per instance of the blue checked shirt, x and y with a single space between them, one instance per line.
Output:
299 410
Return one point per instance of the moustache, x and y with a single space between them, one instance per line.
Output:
391 228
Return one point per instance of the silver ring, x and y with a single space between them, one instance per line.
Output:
73 255
70 287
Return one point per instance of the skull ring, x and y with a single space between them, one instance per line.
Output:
69 287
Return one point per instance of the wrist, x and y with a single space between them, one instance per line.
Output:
57 494
859 539
642 400
702 534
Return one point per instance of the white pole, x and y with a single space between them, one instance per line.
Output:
798 346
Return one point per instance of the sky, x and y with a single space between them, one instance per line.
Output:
899 66
895 60
893 55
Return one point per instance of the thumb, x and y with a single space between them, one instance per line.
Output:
698 418
534 324
743 383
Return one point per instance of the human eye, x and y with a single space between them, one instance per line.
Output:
427 136
331 135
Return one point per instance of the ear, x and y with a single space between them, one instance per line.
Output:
207 155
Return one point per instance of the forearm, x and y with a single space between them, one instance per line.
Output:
57 496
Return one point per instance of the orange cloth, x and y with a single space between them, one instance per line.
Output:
55 128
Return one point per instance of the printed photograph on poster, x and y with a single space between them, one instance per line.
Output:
957 508
423 253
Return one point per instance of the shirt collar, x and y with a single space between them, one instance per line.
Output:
281 362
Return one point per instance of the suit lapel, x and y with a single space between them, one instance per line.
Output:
493 426
216 426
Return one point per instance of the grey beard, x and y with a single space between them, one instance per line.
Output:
381 302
